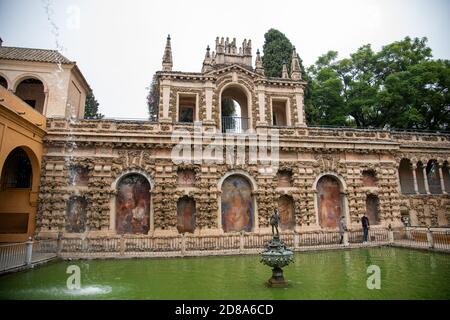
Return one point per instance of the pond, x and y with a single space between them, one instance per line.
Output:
405 274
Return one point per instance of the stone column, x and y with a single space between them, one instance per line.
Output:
441 178
300 107
262 105
208 100
425 179
165 99
416 187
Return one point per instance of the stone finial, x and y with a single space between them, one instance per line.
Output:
167 62
284 73
207 63
258 64
295 66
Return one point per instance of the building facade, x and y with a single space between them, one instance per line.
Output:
192 170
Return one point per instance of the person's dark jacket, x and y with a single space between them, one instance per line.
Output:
365 222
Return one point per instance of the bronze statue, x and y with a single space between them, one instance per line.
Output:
274 220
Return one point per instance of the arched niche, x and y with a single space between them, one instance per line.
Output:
330 200
287 213
284 178
186 208
373 209
132 204
237 204
76 215
369 178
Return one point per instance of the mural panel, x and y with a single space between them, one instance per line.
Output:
237 204
286 210
76 215
372 209
186 215
186 178
329 202
133 205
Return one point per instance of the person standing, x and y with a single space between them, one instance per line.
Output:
365 226
342 228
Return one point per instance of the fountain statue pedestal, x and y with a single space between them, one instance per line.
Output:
276 255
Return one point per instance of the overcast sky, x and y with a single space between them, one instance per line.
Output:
118 45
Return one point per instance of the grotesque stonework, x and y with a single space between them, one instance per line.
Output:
321 173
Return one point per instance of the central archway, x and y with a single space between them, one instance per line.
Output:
237 204
235 109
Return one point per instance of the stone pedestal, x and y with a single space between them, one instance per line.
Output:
277 280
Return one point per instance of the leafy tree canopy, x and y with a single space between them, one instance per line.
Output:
91 107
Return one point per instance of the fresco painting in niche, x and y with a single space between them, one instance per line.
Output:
237 204
284 179
286 210
186 178
76 215
372 209
79 176
186 215
329 202
133 205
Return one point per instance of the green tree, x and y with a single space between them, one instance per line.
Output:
153 99
91 107
399 87
325 105
277 50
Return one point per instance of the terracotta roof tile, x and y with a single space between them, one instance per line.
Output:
29 54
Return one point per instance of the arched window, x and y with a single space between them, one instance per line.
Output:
329 201
234 110
406 177
17 172
186 215
76 215
133 204
434 180
373 209
237 204
3 82
286 210
31 91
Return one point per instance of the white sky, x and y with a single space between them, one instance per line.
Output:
118 45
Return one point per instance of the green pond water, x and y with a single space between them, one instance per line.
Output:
405 274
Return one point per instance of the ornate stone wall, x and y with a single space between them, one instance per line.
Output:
111 149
